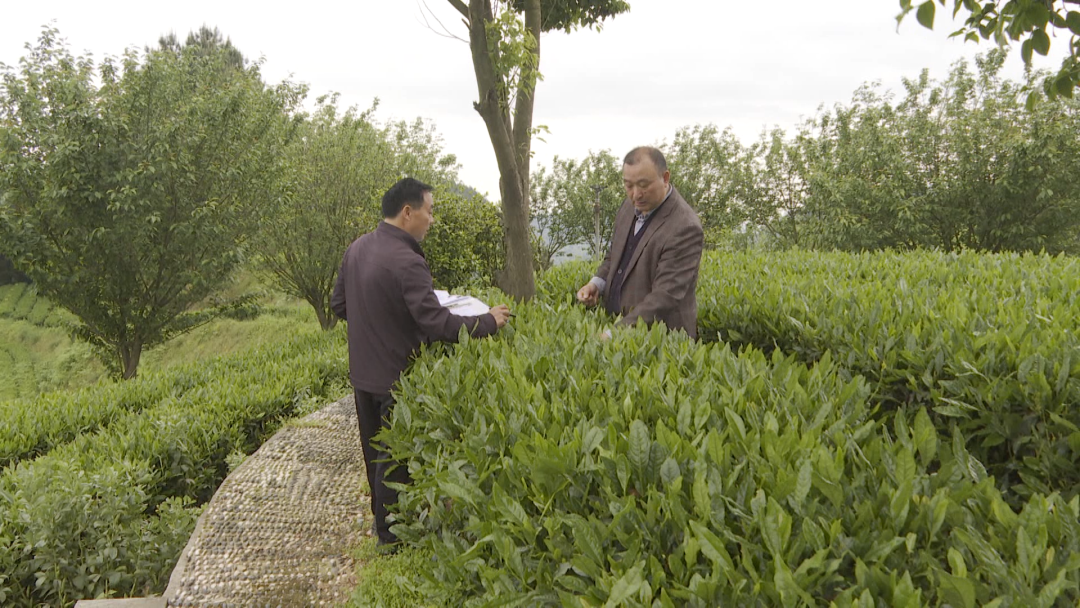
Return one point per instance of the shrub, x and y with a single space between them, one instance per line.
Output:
108 513
651 470
984 341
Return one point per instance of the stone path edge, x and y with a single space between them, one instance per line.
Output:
180 570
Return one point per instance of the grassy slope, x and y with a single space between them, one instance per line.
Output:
35 359
37 355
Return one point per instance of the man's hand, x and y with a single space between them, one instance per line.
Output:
501 314
589 294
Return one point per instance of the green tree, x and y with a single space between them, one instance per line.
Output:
1003 20
551 233
504 38
774 190
995 173
130 187
418 152
8 273
464 247
707 166
205 41
960 164
857 178
564 204
335 171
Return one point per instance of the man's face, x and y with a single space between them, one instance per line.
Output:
422 218
645 186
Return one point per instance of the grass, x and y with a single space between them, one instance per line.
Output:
38 359
222 336
390 581
37 354
9 298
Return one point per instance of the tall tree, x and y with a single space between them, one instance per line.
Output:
857 177
775 190
335 171
128 188
551 234
8 272
1003 20
504 38
997 174
418 152
959 164
464 248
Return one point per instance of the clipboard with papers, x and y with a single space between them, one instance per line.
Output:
466 306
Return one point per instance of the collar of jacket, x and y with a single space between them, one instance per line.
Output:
394 232
645 216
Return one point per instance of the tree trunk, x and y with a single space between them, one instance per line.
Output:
511 143
519 280
320 301
327 319
130 353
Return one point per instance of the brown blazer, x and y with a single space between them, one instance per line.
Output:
662 274
384 293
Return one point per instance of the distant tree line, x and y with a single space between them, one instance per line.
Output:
964 163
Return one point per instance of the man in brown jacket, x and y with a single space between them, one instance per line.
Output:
651 268
384 292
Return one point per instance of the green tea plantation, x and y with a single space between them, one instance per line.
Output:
851 430
854 430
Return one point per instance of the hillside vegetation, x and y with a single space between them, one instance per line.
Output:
38 354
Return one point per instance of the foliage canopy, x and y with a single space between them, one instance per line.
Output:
129 187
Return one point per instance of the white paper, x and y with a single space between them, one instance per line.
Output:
465 306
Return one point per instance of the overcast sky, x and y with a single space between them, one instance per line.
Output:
666 64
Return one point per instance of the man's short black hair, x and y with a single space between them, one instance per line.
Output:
653 154
407 191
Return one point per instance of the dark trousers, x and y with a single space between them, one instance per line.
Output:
373 411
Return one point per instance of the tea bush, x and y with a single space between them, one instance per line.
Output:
552 468
31 427
108 512
986 342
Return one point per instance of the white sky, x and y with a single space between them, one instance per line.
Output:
665 64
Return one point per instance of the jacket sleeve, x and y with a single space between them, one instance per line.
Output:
434 319
337 299
605 266
602 271
676 270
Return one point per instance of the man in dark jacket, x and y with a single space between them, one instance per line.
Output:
651 268
384 292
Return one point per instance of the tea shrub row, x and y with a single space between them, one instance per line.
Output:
553 468
108 512
987 343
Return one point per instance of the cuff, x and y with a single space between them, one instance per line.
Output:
601 284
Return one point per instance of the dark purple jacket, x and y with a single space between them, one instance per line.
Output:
385 294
